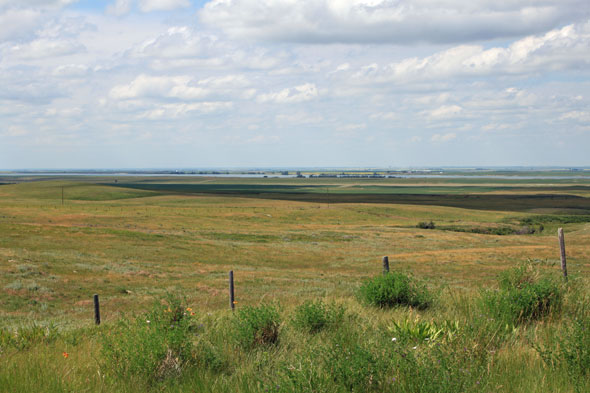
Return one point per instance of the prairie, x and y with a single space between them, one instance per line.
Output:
136 240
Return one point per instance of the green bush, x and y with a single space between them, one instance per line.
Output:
256 326
524 295
394 289
155 346
425 225
313 316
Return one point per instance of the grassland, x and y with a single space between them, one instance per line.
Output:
288 240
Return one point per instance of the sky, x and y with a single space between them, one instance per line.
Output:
294 83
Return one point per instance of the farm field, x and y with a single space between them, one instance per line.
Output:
136 240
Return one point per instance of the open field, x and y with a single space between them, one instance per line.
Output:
288 240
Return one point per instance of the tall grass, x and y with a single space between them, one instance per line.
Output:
454 346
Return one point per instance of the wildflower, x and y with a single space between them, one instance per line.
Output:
65 355
189 309
235 302
394 339
192 313
147 321
414 347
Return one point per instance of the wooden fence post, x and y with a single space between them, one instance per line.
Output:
96 310
232 302
385 265
562 252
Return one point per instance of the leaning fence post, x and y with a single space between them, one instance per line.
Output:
96 310
562 252
385 265
232 302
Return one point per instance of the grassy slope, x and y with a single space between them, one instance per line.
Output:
132 244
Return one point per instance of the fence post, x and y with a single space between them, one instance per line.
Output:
96 310
232 302
385 265
562 252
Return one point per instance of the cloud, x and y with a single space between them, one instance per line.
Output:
35 3
581 116
162 5
119 7
44 48
177 42
15 131
443 137
171 111
145 86
446 111
16 23
404 22
301 93
184 88
565 48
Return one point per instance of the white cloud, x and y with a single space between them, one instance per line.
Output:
162 5
70 70
384 116
380 21
581 116
172 111
15 23
446 111
298 118
35 3
443 137
263 139
119 7
566 48
301 93
14 131
44 48
145 86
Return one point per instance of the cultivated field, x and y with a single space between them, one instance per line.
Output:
136 240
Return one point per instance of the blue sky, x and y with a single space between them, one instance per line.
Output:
283 83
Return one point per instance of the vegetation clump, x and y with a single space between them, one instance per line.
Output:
524 295
313 316
394 289
154 346
570 349
255 326
426 225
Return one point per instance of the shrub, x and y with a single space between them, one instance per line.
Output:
425 225
257 325
394 289
524 295
155 346
313 316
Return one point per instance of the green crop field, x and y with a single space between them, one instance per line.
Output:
137 241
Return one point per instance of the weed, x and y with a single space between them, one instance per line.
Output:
524 295
256 326
394 289
313 316
157 345
28 336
